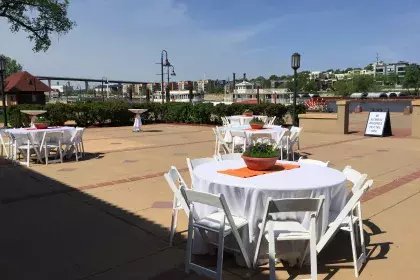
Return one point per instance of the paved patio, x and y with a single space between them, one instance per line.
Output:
107 217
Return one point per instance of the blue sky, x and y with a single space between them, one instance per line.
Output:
122 39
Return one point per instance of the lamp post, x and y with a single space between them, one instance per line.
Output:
104 80
79 88
172 74
162 64
3 94
295 67
258 85
67 92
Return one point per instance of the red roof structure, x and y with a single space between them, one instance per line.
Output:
24 82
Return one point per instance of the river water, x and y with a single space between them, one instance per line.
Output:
392 106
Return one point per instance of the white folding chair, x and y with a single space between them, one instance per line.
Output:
193 163
175 181
313 161
298 132
5 143
345 221
238 139
23 143
75 145
225 121
283 143
233 156
235 121
220 143
52 140
221 222
261 138
289 229
271 123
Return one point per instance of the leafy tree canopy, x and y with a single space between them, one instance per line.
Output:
11 66
39 18
369 67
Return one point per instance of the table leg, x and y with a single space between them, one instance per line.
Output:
137 123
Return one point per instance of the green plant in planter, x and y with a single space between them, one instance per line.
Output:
262 150
42 119
256 121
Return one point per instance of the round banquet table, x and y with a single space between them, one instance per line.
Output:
243 120
37 134
275 132
247 197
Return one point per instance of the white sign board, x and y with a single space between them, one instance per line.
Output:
376 123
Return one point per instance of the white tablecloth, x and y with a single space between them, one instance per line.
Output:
275 132
37 134
247 197
243 120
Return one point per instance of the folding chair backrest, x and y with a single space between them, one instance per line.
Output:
209 199
51 136
21 138
283 135
335 225
312 205
355 177
232 156
220 141
238 133
313 161
193 163
271 122
235 121
175 182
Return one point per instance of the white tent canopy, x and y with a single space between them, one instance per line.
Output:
358 95
395 94
377 95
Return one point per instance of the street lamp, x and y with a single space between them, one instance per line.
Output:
172 74
258 86
163 63
104 79
67 92
295 67
3 94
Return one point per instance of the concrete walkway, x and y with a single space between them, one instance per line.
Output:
107 217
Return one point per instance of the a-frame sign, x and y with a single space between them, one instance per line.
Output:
378 124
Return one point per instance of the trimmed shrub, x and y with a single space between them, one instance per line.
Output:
117 114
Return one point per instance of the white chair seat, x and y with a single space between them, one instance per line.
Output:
284 230
345 223
212 222
26 146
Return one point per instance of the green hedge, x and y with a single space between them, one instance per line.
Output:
117 114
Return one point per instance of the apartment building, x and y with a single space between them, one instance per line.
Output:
398 68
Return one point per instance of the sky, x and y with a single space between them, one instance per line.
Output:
123 39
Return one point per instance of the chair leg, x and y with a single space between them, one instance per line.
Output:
76 149
28 155
314 263
362 237
189 244
353 249
83 148
272 252
220 249
173 226
46 154
61 152
304 253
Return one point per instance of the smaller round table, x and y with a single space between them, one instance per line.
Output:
137 119
32 114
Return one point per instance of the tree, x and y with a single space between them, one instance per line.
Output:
364 83
11 66
39 18
412 77
348 69
369 67
273 78
311 86
302 80
344 87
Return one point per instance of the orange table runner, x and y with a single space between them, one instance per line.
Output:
245 172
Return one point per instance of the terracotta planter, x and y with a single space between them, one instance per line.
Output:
257 125
259 164
249 114
42 125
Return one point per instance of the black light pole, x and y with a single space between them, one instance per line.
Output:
163 63
172 74
295 67
3 94
258 85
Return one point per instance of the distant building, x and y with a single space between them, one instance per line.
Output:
23 88
180 96
398 68
247 92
